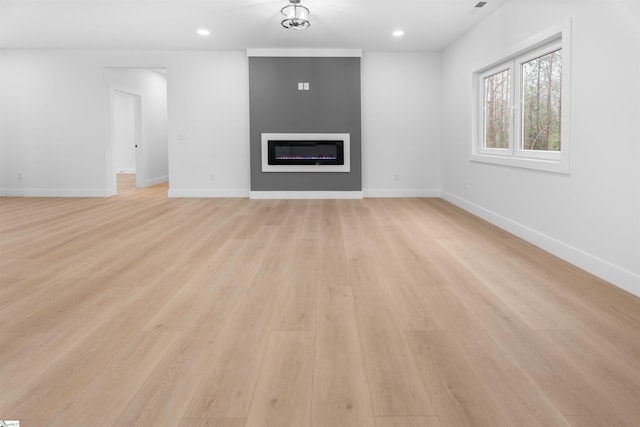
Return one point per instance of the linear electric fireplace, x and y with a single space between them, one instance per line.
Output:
305 152
319 152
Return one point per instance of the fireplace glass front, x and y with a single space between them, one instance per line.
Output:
292 152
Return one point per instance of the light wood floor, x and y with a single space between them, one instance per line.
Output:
143 310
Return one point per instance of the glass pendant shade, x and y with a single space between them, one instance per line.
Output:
296 16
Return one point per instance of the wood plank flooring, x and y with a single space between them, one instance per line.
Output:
139 310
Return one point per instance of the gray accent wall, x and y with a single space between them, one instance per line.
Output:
331 105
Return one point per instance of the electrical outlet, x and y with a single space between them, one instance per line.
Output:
396 177
20 175
464 185
212 177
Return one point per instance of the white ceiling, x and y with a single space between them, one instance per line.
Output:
235 24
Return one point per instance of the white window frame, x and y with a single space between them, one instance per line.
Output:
519 104
482 148
550 40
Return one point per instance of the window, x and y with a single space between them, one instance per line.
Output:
542 102
496 109
522 104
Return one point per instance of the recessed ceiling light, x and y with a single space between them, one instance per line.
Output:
398 33
203 32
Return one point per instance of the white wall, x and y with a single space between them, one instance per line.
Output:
209 108
151 87
591 217
400 124
54 124
125 132
56 128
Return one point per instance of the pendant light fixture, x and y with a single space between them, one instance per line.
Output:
296 16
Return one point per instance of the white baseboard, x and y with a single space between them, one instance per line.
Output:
625 279
305 195
207 192
386 192
55 192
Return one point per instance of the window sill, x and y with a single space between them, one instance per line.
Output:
554 166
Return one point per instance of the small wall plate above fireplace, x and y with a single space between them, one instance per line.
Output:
306 152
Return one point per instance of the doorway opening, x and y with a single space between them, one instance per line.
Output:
139 140
127 134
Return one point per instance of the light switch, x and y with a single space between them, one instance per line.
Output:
182 136
300 86
306 86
